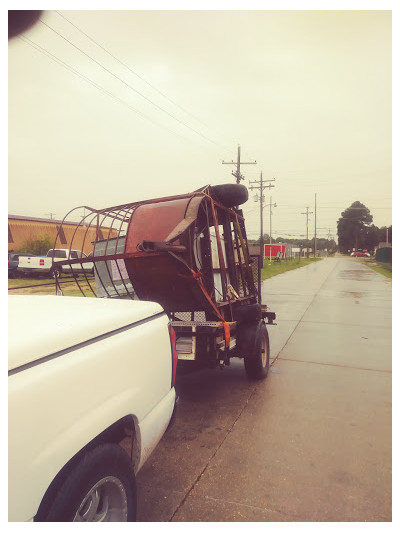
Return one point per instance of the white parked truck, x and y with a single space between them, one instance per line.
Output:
91 392
46 265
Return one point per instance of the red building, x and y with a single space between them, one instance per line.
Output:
272 250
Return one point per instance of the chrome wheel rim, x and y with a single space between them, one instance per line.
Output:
106 501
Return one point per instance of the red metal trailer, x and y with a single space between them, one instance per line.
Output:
190 254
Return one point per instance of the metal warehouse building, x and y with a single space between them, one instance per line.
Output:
23 229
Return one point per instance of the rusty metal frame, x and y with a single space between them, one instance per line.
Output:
114 224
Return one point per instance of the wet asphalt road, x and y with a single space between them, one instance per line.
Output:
312 442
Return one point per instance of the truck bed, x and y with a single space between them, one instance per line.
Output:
69 321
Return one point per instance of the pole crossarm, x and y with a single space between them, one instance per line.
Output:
236 173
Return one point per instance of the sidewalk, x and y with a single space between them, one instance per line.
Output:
314 441
310 443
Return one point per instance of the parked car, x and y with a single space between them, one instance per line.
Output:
360 254
13 259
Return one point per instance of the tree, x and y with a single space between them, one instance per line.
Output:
353 227
38 246
372 237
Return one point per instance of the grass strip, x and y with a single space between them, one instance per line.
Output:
46 287
382 268
273 268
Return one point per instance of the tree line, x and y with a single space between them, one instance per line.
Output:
356 231
322 244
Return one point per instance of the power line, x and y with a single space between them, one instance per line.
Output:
130 86
96 85
131 70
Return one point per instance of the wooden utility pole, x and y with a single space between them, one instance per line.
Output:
315 226
307 213
270 218
236 172
260 186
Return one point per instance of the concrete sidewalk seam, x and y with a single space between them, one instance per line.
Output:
344 324
214 454
335 365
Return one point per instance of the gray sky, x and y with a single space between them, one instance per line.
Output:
305 93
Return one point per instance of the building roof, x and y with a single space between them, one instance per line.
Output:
36 219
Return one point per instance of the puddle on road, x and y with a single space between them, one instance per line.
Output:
357 275
353 294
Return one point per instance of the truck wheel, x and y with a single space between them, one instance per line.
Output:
256 357
55 272
100 487
230 194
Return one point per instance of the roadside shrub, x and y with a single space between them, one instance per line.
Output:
384 255
39 246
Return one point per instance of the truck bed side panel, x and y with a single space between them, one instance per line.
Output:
57 407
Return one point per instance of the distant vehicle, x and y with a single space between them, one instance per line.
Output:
45 265
360 254
13 263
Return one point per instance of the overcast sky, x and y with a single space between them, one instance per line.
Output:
168 95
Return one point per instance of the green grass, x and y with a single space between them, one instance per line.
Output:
48 286
273 269
383 268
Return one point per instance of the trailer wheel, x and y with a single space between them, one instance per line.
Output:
230 194
255 344
100 487
247 313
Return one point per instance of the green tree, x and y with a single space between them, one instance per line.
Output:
39 246
353 226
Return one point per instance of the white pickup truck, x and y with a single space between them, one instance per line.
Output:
45 265
91 392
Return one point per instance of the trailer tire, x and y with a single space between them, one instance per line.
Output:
100 486
254 344
230 194
247 313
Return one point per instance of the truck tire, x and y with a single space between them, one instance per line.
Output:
254 344
55 272
230 194
100 487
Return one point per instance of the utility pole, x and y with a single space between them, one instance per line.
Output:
237 173
315 226
270 218
260 186
50 215
307 213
